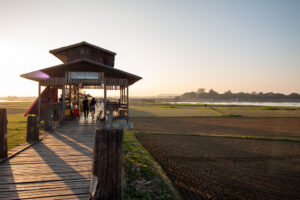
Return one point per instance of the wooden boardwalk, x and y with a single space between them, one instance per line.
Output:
58 167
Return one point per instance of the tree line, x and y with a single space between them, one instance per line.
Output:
202 95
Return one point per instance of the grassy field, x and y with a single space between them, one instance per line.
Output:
17 123
201 110
165 111
220 106
16 130
202 167
142 178
15 107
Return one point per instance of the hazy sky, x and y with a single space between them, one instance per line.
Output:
176 46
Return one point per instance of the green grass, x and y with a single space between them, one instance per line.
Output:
159 111
16 130
216 106
143 181
202 110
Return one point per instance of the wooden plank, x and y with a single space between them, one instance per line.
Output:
59 167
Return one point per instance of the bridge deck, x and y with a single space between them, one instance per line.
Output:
58 167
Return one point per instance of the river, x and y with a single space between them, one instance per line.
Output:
291 104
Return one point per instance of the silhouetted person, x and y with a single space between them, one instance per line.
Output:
92 107
85 104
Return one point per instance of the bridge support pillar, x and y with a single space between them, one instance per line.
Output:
32 129
106 171
3 133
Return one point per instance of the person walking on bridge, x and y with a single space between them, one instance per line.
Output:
93 103
85 105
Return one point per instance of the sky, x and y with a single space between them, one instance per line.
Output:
176 46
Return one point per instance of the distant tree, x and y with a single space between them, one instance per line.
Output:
189 96
228 94
294 96
201 91
213 94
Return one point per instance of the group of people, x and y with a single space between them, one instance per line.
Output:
89 106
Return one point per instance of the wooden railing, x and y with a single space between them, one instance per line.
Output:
52 112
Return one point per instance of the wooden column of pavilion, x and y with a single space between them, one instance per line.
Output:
84 66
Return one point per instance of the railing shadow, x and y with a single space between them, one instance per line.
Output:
62 169
8 187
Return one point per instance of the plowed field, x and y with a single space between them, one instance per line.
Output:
267 127
227 168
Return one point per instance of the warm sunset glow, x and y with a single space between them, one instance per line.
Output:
175 46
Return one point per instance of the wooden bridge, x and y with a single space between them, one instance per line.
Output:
58 167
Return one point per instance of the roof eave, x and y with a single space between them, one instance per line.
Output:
54 51
137 78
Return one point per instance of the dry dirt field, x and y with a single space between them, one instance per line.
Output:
268 127
262 113
227 168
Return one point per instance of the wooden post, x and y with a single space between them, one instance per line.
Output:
3 133
105 104
127 104
121 94
70 96
48 116
78 97
39 102
64 100
106 170
32 129
60 113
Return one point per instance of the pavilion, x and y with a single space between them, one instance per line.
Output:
85 66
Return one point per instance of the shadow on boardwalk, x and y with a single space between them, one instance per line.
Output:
59 167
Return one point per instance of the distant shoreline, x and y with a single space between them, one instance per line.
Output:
17 99
7 101
243 103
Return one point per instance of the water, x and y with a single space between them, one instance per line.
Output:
10 101
290 104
